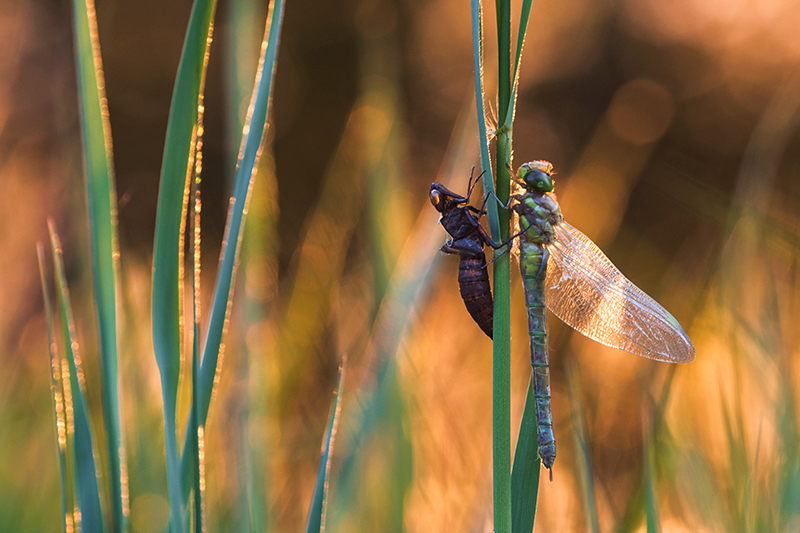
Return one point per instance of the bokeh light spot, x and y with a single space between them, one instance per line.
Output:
641 111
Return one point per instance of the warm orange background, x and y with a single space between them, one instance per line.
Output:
673 128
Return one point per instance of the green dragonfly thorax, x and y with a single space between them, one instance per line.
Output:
537 207
540 212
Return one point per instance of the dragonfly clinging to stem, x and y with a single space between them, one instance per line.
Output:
565 271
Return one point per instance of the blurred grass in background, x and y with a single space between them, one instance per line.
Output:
673 129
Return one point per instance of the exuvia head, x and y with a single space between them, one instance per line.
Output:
537 175
442 197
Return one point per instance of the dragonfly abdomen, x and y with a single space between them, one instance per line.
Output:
473 282
533 260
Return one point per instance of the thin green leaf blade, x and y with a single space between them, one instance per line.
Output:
650 504
178 150
319 501
486 162
526 470
167 254
57 398
250 151
498 225
197 431
501 347
583 455
384 416
85 473
508 120
242 55
102 209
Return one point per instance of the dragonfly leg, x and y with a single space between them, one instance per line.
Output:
502 245
505 243
471 185
497 199
498 256
545 257
492 194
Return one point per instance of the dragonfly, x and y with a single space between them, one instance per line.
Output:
467 240
564 271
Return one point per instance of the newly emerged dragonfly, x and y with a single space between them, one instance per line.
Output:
565 271
467 239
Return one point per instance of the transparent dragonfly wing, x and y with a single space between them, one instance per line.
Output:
585 290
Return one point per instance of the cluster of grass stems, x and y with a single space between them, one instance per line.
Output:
400 277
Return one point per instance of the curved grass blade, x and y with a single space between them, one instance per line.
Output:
384 415
583 456
411 279
249 153
195 427
650 504
526 469
85 472
486 162
523 30
57 398
258 244
102 207
319 502
656 431
176 169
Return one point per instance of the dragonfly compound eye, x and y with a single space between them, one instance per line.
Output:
538 180
537 175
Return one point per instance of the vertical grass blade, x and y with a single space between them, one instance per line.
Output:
102 207
788 483
383 403
523 30
661 446
498 225
176 169
258 251
582 453
486 162
241 61
85 473
733 419
195 427
249 153
319 501
650 505
57 399
526 469
383 422
501 347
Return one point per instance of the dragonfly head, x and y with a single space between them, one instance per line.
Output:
537 175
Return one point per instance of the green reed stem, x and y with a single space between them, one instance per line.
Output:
501 349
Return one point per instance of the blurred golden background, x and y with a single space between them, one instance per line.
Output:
673 128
